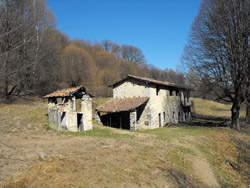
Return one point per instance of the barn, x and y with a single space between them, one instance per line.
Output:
144 103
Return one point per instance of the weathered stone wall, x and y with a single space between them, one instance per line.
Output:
159 103
66 118
51 102
131 89
53 119
86 108
72 121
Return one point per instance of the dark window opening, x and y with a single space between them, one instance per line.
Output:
188 98
164 116
157 90
159 119
63 116
171 91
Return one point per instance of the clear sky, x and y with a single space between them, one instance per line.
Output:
159 28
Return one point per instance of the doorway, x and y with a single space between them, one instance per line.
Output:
79 122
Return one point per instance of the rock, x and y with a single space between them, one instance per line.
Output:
42 156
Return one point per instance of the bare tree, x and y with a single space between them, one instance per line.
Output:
107 45
218 50
77 65
23 26
248 110
132 54
110 46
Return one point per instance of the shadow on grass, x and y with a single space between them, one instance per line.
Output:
181 180
209 121
215 121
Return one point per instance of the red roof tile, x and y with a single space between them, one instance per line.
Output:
150 80
64 92
119 105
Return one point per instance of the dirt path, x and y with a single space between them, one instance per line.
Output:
201 168
204 172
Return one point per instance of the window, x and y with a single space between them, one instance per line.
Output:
177 92
171 92
157 90
164 116
159 115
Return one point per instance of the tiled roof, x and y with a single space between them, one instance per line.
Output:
120 105
64 92
151 81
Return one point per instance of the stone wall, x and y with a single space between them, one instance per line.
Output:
53 119
131 89
66 119
159 105
86 109
72 121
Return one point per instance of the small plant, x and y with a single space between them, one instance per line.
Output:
46 127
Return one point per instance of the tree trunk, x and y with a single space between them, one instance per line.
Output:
6 87
235 110
248 110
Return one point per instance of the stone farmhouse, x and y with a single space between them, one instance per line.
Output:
70 109
143 103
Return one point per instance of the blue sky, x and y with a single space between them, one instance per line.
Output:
159 28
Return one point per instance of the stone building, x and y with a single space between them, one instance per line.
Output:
70 110
143 103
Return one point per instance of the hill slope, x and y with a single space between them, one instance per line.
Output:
32 156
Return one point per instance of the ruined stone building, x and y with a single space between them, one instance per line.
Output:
70 109
143 103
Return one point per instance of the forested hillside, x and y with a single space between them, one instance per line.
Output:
37 58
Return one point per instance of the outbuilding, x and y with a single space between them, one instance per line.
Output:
70 109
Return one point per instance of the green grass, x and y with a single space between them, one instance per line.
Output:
217 165
178 159
177 132
169 147
212 108
98 132
98 101
186 150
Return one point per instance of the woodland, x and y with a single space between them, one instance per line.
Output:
37 58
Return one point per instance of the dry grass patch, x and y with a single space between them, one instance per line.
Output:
212 108
108 157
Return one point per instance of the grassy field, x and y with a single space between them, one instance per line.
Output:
212 108
177 156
